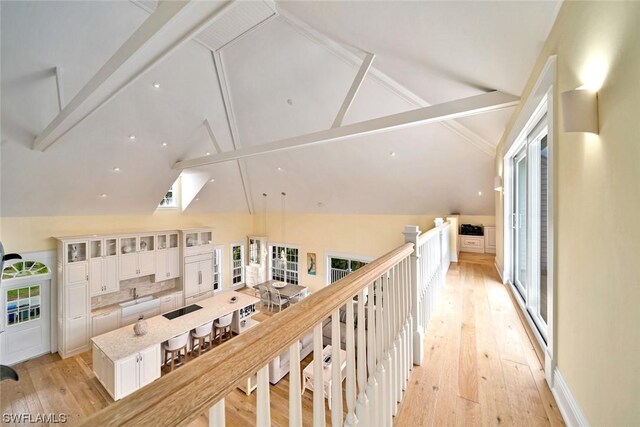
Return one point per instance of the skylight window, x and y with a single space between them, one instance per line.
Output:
170 200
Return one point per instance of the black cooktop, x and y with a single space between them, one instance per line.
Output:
182 311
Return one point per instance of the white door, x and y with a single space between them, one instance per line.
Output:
126 376
77 272
96 275
520 222
173 263
27 321
146 263
128 266
149 365
162 269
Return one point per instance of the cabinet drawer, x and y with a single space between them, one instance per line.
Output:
474 242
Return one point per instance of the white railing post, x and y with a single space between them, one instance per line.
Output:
263 404
216 414
411 233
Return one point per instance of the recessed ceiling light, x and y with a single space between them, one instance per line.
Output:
164 144
320 204
290 101
479 193
212 180
132 137
279 169
208 153
392 154
197 200
156 85
103 195
116 169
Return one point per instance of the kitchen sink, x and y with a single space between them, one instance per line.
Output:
139 305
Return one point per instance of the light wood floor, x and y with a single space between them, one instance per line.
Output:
480 369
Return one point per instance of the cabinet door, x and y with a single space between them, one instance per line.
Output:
128 266
146 263
110 278
173 263
77 334
77 272
126 376
490 237
167 303
191 278
109 373
149 365
95 276
104 323
162 268
206 269
76 300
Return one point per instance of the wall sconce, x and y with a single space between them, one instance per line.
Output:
497 183
579 111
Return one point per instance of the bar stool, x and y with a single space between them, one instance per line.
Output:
200 334
222 324
175 346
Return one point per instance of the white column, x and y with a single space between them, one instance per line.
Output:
336 371
216 414
295 390
411 233
263 405
318 386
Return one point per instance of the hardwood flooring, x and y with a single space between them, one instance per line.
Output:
480 368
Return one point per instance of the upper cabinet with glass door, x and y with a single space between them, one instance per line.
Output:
197 240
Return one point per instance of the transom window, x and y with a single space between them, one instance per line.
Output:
284 264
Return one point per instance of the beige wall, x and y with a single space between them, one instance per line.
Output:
597 204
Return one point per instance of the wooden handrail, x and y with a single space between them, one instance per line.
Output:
181 396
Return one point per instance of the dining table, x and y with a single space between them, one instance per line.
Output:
288 291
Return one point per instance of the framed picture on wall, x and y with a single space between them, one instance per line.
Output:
311 263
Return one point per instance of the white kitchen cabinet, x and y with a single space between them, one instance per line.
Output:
75 321
104 369
167 257
490 239
196 241
136 371
103 266
198 274
137 256
130 320
170 302
105 322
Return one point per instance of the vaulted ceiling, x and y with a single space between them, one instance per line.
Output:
268 72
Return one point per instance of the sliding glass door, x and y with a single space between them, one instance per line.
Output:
529 222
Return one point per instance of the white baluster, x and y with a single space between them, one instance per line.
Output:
383 391
416 289
216 414
318 386
397 336
393 339
389 395
362 405
351 419
263 405
372 383
336 371
295 391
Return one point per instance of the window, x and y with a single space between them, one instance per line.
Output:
23 304
170 200
217 268
237 263
284 264
340 266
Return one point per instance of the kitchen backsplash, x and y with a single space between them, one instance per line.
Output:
144 286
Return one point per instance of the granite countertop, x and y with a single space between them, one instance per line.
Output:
123 342
116 306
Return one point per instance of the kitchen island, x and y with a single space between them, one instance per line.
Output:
124 362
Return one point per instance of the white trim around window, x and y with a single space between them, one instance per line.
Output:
236 267
351 257
290 271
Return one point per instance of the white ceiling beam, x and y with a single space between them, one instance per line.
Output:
433 114
353 90
214 141
170 26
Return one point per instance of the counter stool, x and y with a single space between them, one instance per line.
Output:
200 334
175 346
222 324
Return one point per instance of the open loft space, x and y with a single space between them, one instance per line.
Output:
298 213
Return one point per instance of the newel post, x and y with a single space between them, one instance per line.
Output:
411 233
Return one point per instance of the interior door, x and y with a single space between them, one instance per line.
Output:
519 224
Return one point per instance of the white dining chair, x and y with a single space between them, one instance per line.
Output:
277 299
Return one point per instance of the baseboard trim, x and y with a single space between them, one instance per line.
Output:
569 408
496 263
